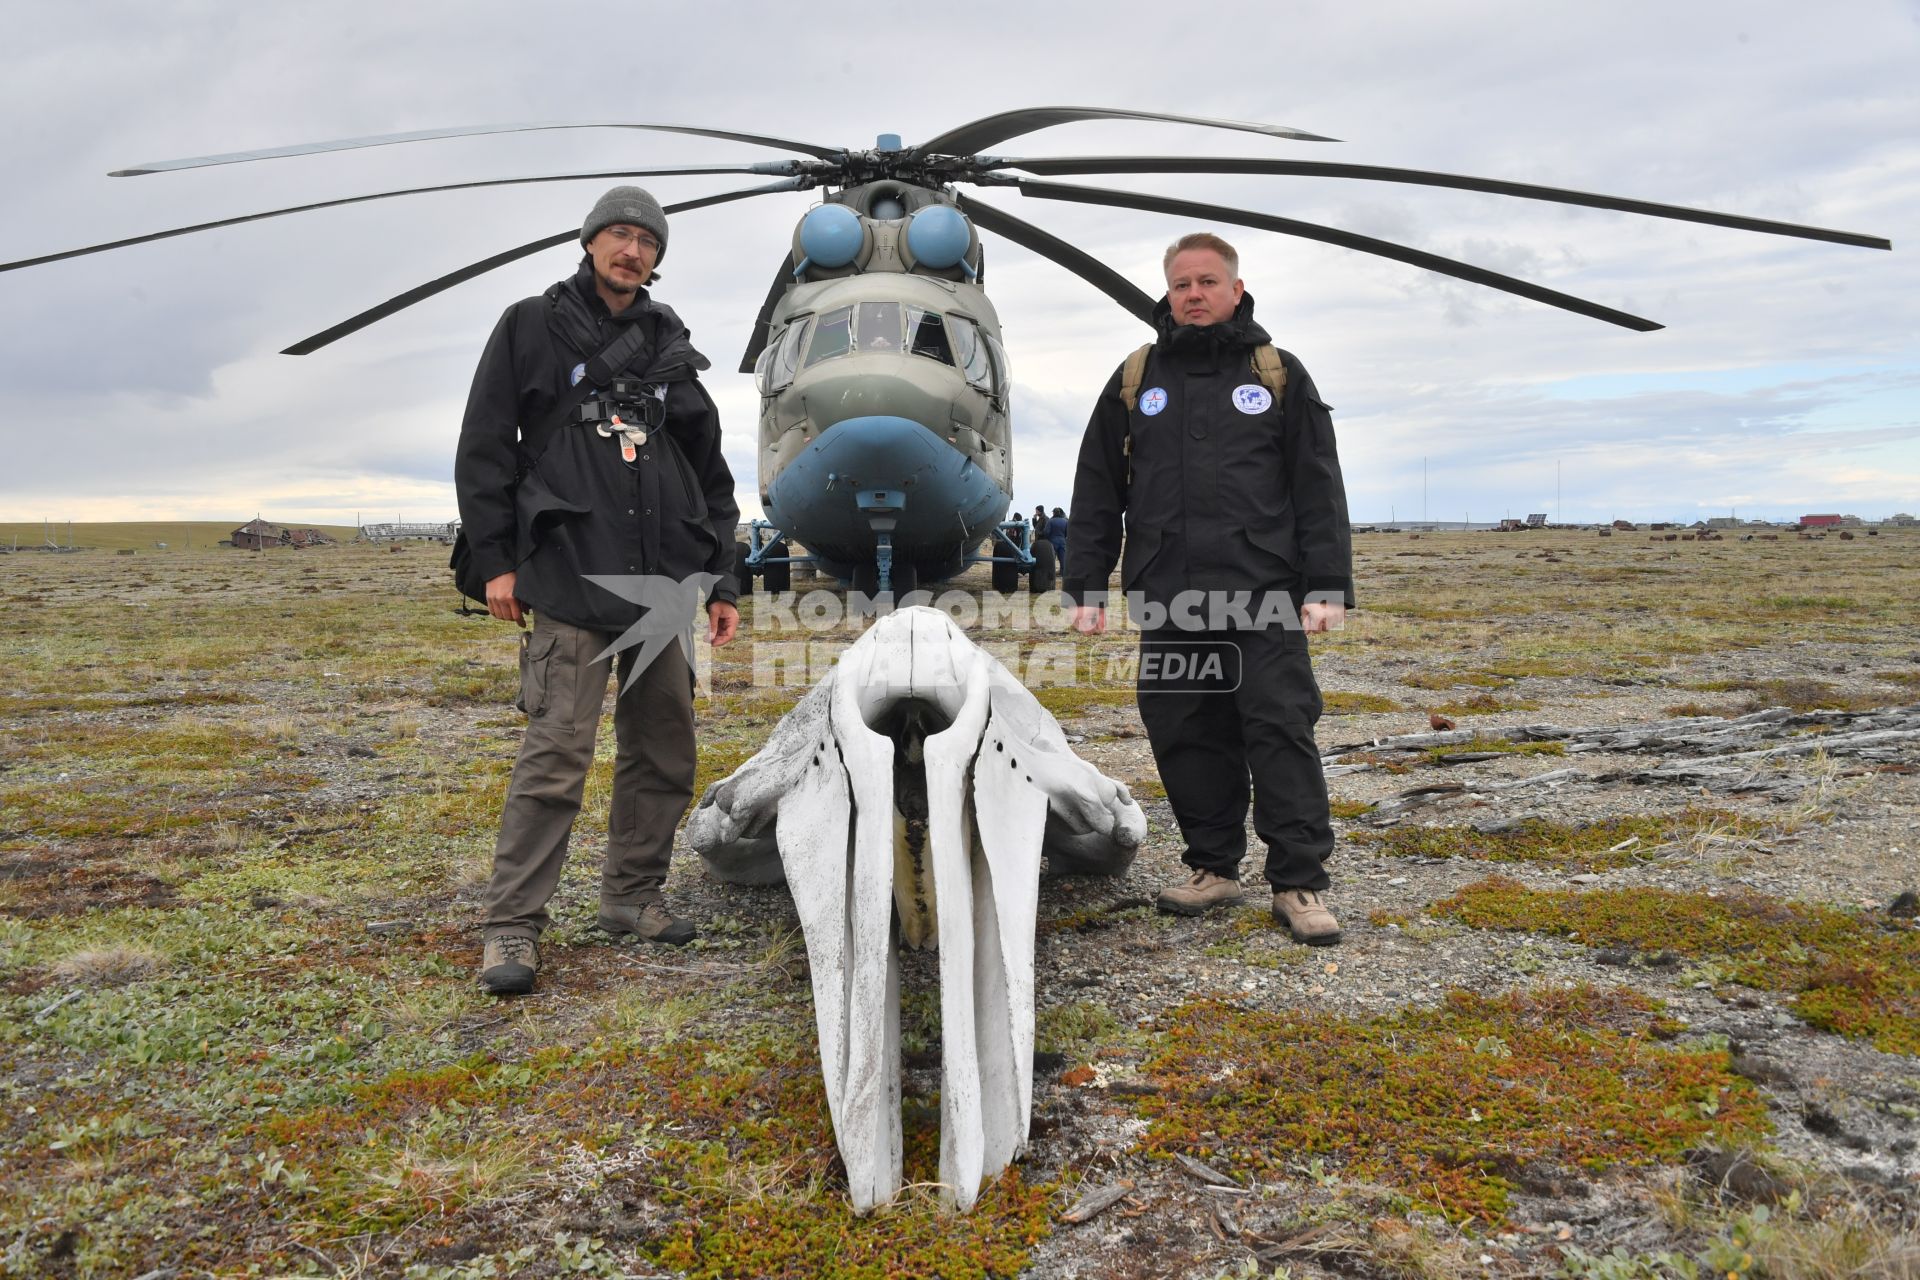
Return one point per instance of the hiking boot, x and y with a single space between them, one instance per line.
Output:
508 964
1198 894
1306 917
649 920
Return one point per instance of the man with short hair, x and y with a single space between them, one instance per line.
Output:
589 448
1218 451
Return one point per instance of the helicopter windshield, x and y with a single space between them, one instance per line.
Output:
874 328
927 335
970 353
878 327
778 362
832 336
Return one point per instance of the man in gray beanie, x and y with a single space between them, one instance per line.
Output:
590 448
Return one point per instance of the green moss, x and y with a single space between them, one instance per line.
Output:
1341 702
1504 746
1853 974
1447 1105
1073 699
1452 679
1484 704
1589 846
1795 694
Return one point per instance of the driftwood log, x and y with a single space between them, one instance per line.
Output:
1726 756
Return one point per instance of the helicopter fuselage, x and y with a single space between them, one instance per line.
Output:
884 392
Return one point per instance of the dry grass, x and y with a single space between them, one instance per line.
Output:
108 966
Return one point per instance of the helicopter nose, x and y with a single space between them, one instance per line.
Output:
879 452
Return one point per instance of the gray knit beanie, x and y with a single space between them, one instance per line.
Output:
631 205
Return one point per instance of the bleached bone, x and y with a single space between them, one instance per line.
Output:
909 798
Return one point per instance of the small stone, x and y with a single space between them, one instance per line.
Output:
1397 880
1586 877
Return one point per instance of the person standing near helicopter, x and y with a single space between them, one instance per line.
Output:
1216 447
589 447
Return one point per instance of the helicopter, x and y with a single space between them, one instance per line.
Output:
885 427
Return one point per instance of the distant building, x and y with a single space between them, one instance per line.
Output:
410 532
1626 525
1820 522
1901 520
257 535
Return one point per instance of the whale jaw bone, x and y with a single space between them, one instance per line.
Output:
915 716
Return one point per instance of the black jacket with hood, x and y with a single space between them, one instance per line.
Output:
554 510
1230 492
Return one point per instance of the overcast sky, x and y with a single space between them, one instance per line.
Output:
145 384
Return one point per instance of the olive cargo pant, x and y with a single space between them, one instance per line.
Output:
561 690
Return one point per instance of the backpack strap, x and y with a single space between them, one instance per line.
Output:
1268 367
1132 374
1133 371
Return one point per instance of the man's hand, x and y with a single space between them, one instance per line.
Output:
1322 617
723 623
1089 619
502 603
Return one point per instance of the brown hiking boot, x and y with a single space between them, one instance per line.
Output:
649 920
1198 894
508 964
1306 917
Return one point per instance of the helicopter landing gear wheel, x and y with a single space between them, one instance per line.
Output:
1046 568
779 577
1006 577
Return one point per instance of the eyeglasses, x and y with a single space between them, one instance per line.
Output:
627 235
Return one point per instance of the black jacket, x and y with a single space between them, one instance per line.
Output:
555 509
1223 497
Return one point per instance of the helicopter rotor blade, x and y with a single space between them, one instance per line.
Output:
1047 245
992 130
419 293
465 131
1344 239
1067 165
782 166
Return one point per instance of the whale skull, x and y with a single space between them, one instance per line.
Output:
913 792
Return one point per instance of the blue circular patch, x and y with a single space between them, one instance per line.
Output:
1251 397
579 372
1153 400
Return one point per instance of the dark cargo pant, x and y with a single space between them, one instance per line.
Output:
561 690
1209 744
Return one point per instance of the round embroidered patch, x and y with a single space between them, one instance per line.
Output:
1153 400
1251 397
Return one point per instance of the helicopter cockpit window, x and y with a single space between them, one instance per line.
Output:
832 336
927 335
970 352
777 363
878 329
1001 378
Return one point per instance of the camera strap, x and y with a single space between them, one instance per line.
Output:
598 372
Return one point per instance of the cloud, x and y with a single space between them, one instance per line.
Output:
148 380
